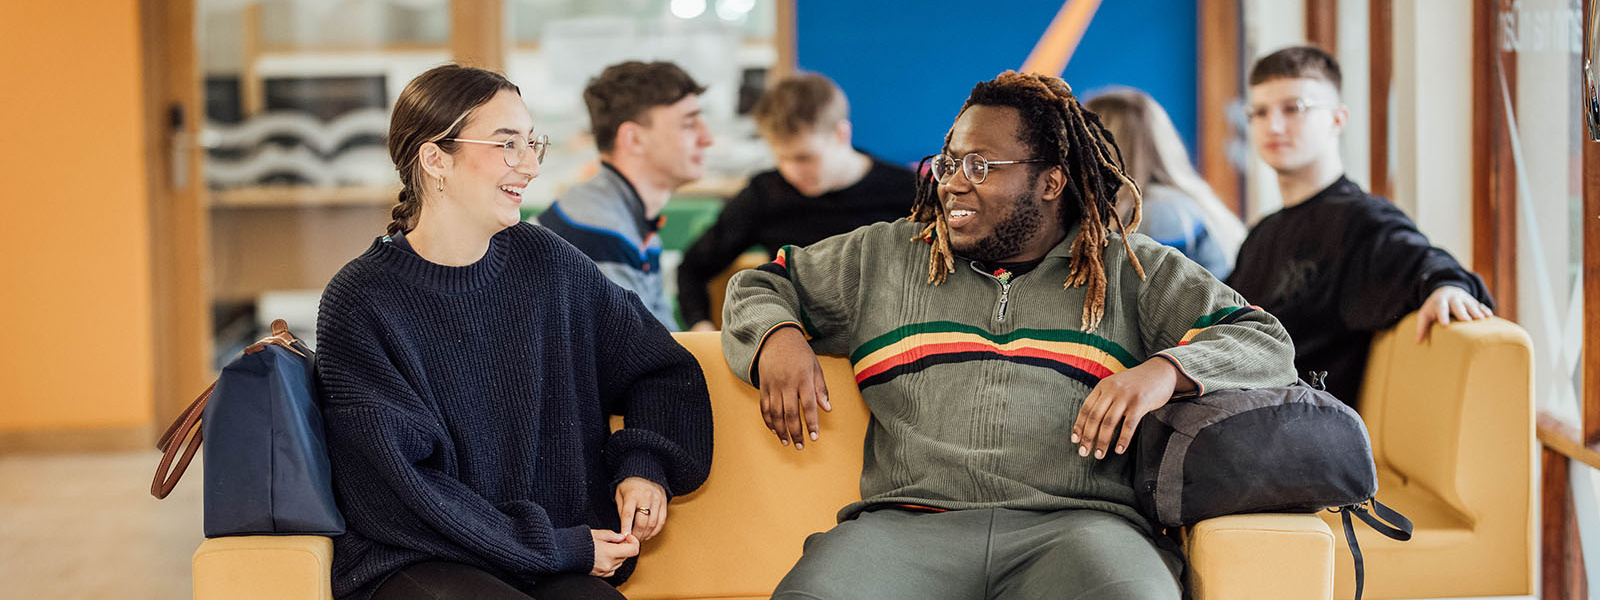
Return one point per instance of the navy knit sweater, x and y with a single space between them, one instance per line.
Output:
466 409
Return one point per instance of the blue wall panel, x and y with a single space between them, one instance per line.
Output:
908 67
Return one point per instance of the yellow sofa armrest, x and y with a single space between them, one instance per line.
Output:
1462 397
1452 424
1261 556
264 567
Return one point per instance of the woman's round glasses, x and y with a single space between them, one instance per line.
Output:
516 148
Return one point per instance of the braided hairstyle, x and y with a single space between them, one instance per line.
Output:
432 107
1059 129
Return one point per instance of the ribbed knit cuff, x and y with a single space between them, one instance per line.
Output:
574 550
1200 386
754 374
642 464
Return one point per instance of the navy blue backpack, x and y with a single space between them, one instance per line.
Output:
266 464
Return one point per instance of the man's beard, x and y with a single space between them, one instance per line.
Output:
1007 237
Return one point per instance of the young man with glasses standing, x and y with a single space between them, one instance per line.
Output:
646 121
1007 337
1336 263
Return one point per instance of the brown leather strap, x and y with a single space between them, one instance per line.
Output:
187 423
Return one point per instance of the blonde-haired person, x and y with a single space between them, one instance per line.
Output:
467 372
823 186
1180 210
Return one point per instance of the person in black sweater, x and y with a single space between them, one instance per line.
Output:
1336 264
822 187
467 369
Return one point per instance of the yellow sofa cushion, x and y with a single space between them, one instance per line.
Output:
1260 557
264 567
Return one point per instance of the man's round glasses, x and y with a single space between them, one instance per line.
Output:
516 148
1291 111
975 166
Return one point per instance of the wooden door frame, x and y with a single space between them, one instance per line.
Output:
1494 201
179 221
1322 25
1494 178
1221 82
1380 19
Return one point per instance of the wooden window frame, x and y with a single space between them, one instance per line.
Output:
1221 81
1380 19
1494 257
1322 24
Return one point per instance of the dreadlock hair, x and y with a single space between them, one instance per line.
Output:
1059 129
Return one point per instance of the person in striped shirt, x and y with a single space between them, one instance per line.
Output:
1007 337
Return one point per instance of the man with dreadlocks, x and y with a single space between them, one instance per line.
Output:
1006 337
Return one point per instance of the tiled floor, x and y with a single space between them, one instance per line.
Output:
84 526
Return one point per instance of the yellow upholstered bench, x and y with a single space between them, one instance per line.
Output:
741 532
1452 424
264 566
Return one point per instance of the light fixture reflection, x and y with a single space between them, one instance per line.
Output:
734 10
688 9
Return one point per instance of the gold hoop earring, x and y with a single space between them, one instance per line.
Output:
441 184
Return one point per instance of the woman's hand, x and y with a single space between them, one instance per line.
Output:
642 504
610 550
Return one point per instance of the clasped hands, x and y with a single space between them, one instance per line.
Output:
642 506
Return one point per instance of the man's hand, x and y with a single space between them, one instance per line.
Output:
642 504
1124 398
1445 301
703 326
791 387
610 549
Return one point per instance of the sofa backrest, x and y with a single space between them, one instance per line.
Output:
1455 413
740 533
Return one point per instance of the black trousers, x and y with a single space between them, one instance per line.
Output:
439 580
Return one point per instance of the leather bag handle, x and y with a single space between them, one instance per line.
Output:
187 425
280 337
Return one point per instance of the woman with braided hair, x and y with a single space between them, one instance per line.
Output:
1006 337
467 370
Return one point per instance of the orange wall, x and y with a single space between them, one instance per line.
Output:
75 313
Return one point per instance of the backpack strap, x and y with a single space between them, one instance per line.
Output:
1384 520
1355 548
1397 527
172 440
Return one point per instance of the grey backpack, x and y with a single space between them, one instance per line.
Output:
1284 449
